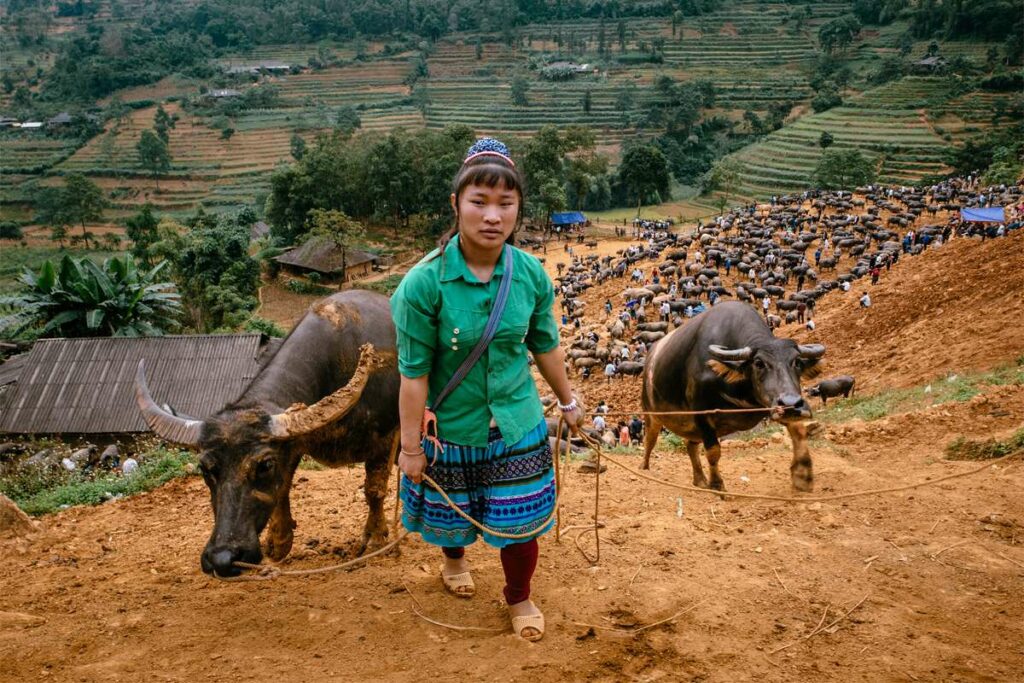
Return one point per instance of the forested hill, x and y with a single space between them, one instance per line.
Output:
178 104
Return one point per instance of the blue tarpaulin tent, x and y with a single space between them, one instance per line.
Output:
568 218
993 215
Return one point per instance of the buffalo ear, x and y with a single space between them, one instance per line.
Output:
730 371
809 369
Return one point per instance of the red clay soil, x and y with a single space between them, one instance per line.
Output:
114 593
952 309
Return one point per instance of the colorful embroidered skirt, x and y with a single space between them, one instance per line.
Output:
510 488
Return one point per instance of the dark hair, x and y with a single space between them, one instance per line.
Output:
489 170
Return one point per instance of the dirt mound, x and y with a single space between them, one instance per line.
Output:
13 522
956 308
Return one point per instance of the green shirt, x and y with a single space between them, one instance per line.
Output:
440 314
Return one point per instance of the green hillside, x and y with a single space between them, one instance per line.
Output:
763 61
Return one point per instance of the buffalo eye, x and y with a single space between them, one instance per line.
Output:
759 364
264 467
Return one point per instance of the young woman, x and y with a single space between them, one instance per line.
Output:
494 460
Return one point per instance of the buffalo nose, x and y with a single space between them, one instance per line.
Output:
223 563
791 401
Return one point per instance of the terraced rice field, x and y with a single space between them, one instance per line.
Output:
899 137
26 151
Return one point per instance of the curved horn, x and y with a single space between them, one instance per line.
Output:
811 350
722 353
301 419
166 425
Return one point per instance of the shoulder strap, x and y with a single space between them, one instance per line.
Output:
489 331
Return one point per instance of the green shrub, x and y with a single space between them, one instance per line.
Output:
264 326
990 449
40 492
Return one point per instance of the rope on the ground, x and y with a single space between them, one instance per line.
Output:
791 499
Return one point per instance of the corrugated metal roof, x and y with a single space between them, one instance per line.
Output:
88 385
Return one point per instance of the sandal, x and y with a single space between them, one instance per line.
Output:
536 622
459 585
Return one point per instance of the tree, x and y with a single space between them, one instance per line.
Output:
9 230
520 90
298 146
644 174
226 134
162 124
82 200
141 229
826 98
341 230
723 177
479 49
826 140
838 33
215 274
81 299
621 31
587 101
153 154
346 120
843 169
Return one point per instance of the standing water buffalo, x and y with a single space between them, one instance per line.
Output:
840 385
727 358
331 391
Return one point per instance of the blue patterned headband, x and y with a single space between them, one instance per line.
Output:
488 147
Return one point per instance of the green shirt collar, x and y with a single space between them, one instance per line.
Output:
454 265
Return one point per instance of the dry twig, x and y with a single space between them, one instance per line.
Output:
950 547
818 629
637 629
785 587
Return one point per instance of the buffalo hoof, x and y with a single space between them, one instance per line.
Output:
802 480
373 540
277 547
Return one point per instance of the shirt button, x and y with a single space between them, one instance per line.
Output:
455 347
456 330
455 340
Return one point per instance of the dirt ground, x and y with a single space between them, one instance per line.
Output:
114 593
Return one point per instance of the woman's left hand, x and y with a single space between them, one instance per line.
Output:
575 418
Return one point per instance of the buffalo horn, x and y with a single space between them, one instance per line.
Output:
722 353
301 419
811 350
167 426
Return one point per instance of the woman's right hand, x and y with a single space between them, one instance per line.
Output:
413 466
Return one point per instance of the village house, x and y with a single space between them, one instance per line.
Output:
321 255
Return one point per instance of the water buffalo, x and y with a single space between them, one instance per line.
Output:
330 391
840 385
728 358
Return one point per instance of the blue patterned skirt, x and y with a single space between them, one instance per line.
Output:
508 488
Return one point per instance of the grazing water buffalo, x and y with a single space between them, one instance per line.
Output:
331 391
728 358
840 385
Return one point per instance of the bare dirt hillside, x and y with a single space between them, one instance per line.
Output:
952 309
114 593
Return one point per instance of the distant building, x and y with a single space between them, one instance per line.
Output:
258 230
930 64
321 255
87 386
31 125
222 94
269 65
61 119
8 122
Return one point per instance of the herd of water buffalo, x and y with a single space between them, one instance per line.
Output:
331 389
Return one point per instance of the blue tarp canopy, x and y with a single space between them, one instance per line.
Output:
568 218
993 215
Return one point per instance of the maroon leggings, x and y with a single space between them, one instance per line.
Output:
518 561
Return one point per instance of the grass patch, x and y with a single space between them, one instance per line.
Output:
39 492
990 449
954 388
385 286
